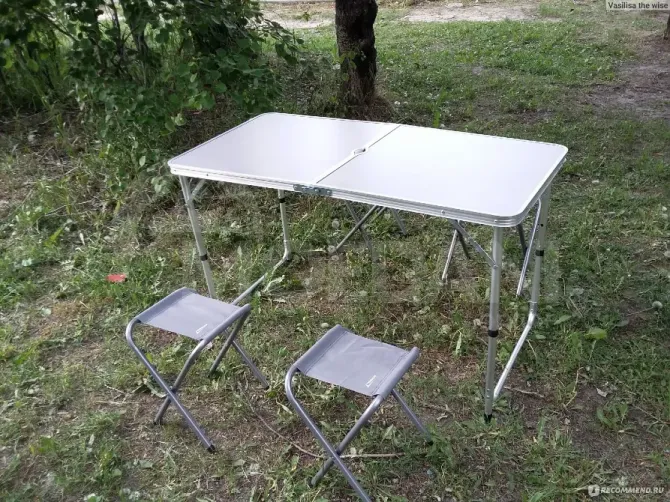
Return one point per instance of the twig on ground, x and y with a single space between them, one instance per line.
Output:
574 392
118 390
443 409
526 392
372 455
659 420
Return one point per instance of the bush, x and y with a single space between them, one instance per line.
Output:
135 68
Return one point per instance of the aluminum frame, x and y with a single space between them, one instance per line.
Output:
204 258
459 232
323 185
334 453
236 321
493 388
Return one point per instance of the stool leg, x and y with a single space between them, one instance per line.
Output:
184 412
230 341
412 416
288 385
226 344
219 357
254 369
177 383
367 414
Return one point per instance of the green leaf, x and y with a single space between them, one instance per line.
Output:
179 119
146 464
600 413
562 319
143 160
207 101
32 65
596 334
457 350
163 35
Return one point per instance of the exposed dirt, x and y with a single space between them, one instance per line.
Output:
643 87
458 12
302 16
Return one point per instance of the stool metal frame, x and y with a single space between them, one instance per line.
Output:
183 322
319 364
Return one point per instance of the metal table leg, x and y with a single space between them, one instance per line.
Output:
284 259
189 198
494 312
202 250
540 228
197 233
529 248
543 215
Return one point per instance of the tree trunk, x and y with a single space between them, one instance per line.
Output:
354 21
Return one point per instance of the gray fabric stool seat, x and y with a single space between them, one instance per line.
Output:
185 312
365 366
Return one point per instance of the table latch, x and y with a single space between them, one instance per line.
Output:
312 190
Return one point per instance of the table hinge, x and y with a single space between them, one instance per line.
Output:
311 190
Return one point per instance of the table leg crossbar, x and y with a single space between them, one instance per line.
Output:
372 214
461 234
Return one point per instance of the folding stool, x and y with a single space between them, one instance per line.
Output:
185 312
368 367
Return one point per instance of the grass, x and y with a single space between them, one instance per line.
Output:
590 395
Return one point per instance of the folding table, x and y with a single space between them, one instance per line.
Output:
458 176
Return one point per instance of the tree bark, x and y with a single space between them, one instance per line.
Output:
354 26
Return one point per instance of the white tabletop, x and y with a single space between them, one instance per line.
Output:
468 176
471 177
279 149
